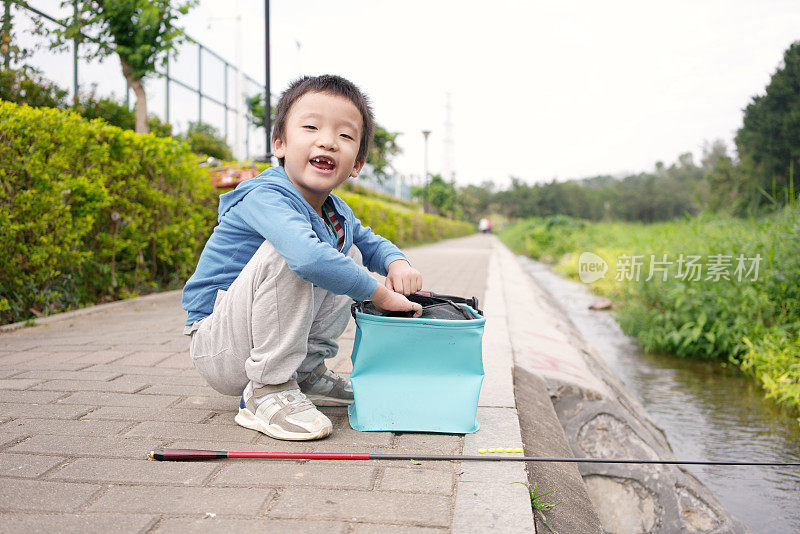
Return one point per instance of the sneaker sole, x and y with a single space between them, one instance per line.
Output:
246 419
322 400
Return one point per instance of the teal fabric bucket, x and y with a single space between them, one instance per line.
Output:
416 375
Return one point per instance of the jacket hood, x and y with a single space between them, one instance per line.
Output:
272 178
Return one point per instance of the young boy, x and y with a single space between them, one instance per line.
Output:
273 286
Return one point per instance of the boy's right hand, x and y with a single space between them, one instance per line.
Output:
387 300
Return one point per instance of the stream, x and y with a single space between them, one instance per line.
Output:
709 412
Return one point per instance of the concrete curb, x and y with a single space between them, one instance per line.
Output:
488 496
97 308
541 429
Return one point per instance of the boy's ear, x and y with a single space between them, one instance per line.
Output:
278 147
357 167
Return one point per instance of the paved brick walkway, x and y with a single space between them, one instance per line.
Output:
83 399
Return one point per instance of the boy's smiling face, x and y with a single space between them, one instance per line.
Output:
323 132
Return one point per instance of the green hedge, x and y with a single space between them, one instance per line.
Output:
403 227
91 213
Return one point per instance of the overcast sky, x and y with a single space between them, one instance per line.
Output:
540 89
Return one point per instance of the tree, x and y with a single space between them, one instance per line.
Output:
141 32
256 105
438 194
382 150
205 139
769 139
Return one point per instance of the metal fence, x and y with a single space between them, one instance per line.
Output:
197 85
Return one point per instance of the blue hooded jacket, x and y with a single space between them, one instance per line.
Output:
269 207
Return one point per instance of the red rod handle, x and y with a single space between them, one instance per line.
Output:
301 455
191 455
186 455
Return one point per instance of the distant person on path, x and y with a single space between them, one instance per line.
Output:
273 286
485 226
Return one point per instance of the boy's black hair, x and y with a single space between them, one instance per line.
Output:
334 85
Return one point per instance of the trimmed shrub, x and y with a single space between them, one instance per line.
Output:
90 212
401 226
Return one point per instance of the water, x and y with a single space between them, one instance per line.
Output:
708 412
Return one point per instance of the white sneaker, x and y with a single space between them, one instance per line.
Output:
323 387
283 412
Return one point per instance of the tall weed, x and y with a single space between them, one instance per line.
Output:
753 321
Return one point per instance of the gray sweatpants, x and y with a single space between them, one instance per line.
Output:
267 326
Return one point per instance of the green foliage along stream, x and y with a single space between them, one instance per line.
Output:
752 320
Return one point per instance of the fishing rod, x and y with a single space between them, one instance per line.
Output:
194 455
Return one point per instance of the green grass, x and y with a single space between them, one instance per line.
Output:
539 503
753 322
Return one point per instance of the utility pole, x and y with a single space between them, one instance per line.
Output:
268 100
5 38
448 171
75 58
425 183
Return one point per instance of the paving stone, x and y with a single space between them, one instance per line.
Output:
30 397
71 523
325 446
277 474
342 433
192 380
7 372
134 370
124 384
365 528
100 357
133 400
182 500
78 350
26 465
217 403
46 374
18 383
122 471
486 506
416 481
144 358
126 413
499 429
40 495
115 447
44 411
446 467
157 429
353 505
43 364
39 358
9 435
178 361
428 443
223 419
247 526
222 445
173 389
68 427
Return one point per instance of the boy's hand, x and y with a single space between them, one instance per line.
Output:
387 300
403 278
